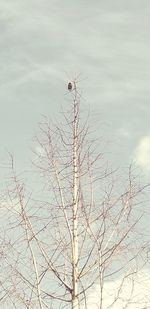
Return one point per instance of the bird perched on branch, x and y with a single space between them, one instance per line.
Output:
70 86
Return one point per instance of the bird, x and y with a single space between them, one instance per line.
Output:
69 86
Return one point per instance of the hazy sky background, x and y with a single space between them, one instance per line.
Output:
43 43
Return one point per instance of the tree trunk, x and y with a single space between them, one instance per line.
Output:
75 302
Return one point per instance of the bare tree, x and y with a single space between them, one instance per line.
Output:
77 230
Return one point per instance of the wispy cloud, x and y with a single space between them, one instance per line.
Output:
131 294
142 153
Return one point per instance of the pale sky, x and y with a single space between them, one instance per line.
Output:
43 43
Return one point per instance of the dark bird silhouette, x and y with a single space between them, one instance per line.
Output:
70 86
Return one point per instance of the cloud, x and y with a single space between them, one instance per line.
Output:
39 151
142 153
132 294
123 132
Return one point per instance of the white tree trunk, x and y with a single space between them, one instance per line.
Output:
75 302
